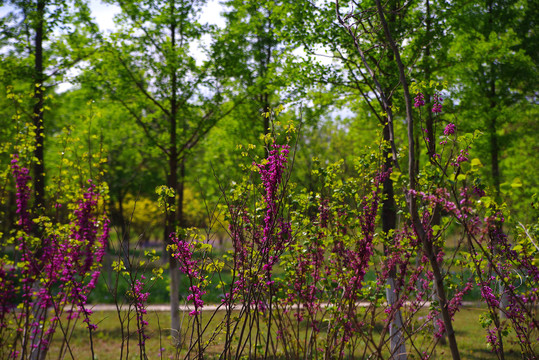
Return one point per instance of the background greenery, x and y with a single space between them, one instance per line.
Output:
167 98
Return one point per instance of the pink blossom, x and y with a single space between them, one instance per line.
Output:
419 100
437 107
450 129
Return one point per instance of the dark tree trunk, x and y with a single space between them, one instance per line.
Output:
37 353
431 148
170 227
389 223
172 183
412 171
39 97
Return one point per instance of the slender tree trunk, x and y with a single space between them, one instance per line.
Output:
173 264
173 184
389 223
175 275
175 329
39 96
37 353
174 205
495 150
431 150
495 172
397 341
427 245
414 213
170 228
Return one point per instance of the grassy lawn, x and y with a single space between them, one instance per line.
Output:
109 336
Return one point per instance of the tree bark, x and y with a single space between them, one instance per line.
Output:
170 228
37 353
172 183
414 213
389 223
431 150
397 343
39 97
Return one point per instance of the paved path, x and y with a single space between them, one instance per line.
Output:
213 307
150 308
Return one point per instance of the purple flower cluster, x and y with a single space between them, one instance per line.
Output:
276 231
456 302
271 172
23 193
437 106
195 296
60 259
419 100
307 275
441 197
450 129
505 259
184 255
258 241
90 248
492 339
349 264
324 213
139 300
478 191
462 157
239 224
189 266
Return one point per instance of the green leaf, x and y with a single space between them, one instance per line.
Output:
486 200
516 183
395 175
476 162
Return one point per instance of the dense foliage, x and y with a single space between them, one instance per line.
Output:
337 176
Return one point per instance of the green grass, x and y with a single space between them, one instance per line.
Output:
158 288
108 338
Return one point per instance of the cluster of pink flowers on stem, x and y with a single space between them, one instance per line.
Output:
492 339
139 299
58 268
239 223
515 308
189 266
437 106
271 173
356 259
276 231
419 100
450 129
23 193
502 260
89 253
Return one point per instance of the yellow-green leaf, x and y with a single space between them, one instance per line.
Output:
476 162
